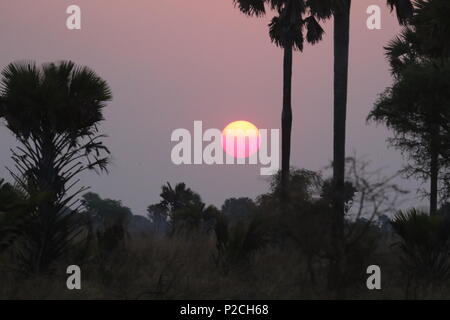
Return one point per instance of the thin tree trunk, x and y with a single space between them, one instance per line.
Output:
48 185
434 170
286 123
341 58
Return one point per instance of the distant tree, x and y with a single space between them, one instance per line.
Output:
158 215
139 225
106 212
179 206
195 217
178 197
304 186
110 220
304 191
53 111
237 208
286 30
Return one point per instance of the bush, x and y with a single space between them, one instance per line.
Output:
424 244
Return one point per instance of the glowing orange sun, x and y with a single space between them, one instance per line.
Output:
240 139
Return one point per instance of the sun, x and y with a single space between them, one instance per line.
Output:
240 139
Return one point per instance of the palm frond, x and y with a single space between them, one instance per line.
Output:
403 8
251 7
314 32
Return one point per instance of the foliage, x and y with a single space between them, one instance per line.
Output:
109 219
424 245
236 209
287 27
417 106
53 111
182 209
236 242
304 186
13 212
194 217
432 27
105 212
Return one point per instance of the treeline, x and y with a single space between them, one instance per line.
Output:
232 243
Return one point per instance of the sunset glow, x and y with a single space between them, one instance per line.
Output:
240 139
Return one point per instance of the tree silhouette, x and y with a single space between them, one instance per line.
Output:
432 27
340 9
417 109
195 217
424 250
286 30
175 205
178 197
236 209
13 210
109 218
158 215
106 212
53 111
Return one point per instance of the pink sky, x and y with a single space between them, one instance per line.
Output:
172 62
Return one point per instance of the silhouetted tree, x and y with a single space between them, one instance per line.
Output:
235 243
236 209
195 217
304 186
158 215
13 212
340 9
109 218
105 212
417 109
175 205
53 111
140 225
178 197
432 27
424 249
286 31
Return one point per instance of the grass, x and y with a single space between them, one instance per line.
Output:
181 267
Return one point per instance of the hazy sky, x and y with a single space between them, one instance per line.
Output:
175 61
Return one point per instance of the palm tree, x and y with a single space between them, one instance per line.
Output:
340 9
432 26
173 199
53 111
286 31
424 250
179 197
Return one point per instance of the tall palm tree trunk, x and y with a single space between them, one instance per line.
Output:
286 123
47 184
434 169
341 57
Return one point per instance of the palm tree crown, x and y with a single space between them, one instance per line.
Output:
288 26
